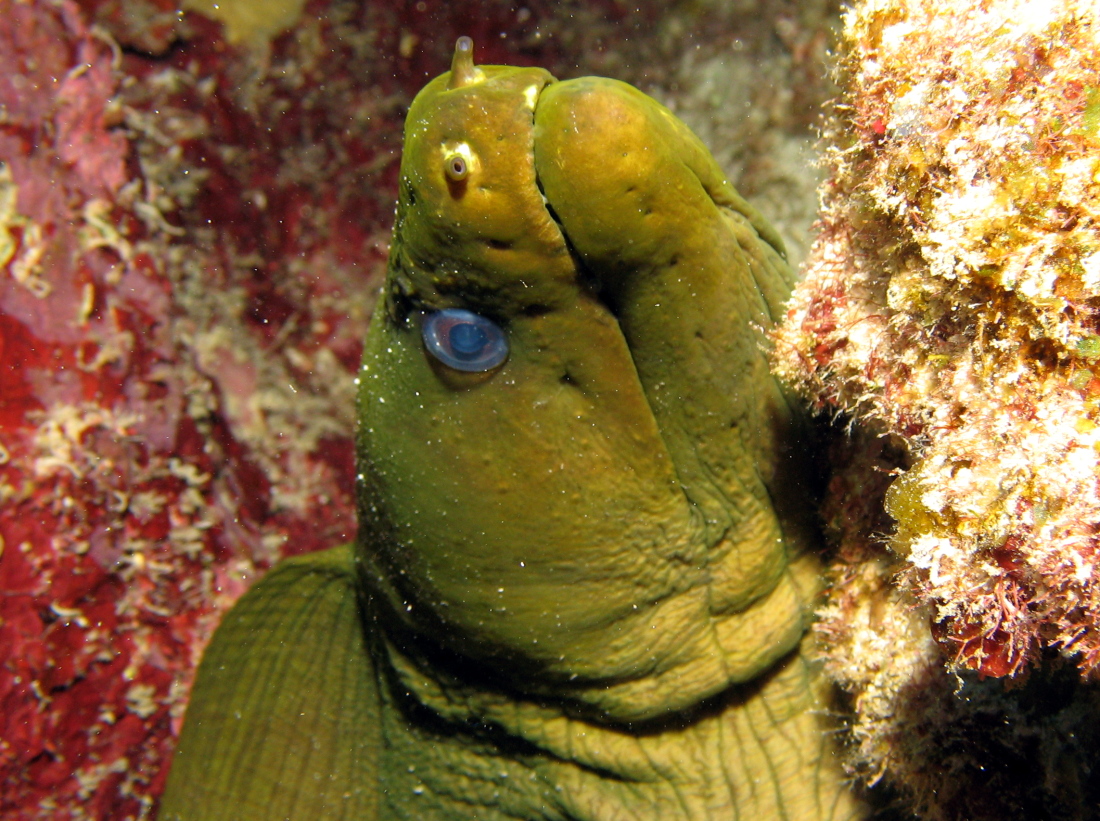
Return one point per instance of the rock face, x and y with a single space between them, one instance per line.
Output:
176 403
950 307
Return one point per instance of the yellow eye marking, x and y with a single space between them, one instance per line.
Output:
530 94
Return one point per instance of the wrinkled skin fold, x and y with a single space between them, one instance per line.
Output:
583 577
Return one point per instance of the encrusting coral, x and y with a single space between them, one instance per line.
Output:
950 307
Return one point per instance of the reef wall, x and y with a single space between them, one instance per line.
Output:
950 318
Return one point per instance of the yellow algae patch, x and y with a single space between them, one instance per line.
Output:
249 21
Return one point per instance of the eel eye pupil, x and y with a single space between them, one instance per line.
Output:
467 340
455 168
464 340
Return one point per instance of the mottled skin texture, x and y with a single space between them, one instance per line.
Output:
583 578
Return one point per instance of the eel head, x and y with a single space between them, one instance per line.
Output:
576 475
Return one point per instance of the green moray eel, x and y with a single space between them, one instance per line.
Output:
584 571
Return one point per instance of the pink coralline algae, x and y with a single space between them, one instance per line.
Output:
85 677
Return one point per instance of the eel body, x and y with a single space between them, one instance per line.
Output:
585 567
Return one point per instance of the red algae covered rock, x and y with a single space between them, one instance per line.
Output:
85 480
177 390
951 307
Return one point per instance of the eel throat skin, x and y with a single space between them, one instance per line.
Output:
585 571
296 716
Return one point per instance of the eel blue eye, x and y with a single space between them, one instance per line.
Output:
464 341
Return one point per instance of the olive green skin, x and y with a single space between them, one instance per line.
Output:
592 558
635 412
